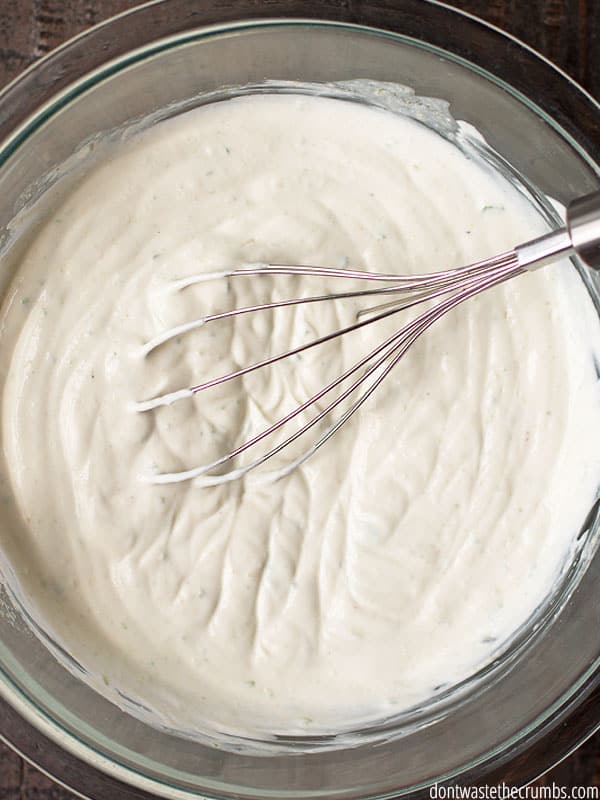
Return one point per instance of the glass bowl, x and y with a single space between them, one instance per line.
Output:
167 55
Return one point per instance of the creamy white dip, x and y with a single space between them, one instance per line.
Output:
396 561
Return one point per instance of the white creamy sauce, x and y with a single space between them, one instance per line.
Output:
408 550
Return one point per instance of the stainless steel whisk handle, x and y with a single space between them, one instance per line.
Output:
583 224
581 234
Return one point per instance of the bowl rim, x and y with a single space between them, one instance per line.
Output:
37 739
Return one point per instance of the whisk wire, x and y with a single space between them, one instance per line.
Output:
395 346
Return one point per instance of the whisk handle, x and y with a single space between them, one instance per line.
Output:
583 224
581 234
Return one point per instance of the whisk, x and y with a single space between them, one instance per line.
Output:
450 288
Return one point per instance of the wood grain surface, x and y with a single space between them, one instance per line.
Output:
566 31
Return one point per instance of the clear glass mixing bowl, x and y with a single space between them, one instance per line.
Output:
170 52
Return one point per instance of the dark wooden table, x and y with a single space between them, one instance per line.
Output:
567 31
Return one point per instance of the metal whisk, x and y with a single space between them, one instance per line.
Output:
452 287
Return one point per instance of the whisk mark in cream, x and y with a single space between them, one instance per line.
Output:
162 400
397 560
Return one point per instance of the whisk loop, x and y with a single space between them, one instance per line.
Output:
450 288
